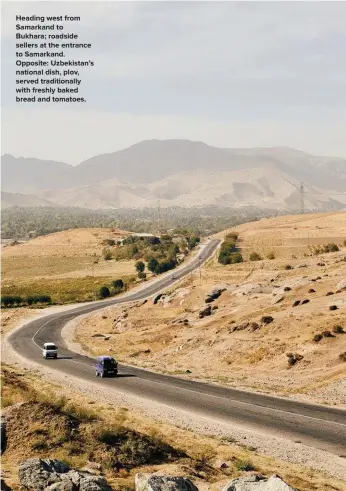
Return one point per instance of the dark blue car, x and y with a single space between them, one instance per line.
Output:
106 366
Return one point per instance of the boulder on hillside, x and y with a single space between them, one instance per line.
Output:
53 475
3 436
258 483
205 312
150 482
214 294
341 285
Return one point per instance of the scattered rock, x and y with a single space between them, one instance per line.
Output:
258 483
296 303
214 294
341 285
311 290
104 317
302 266
333 307
287 289
4 486
327 334
338 330
317 338
267 319
320 264
341 357
54 475
3 436
150 482
305 301
205 312
252 326
329 294
157 298
293 358
277 299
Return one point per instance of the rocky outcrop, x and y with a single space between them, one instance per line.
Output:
150 482
3 436
214 294
54 475
205 312
341 285
258 483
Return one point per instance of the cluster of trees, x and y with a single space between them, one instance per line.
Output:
18 301
158 254
228 253
17 222
117 287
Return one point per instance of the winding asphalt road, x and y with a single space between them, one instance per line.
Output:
318 426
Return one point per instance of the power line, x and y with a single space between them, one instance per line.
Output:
301 191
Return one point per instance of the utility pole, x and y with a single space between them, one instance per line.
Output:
158 214
302 191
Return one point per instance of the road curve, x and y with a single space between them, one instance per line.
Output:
318 426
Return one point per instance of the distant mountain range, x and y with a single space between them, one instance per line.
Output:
179 173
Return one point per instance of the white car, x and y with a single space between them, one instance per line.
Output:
50 351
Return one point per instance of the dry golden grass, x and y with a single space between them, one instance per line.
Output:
68 265
42 426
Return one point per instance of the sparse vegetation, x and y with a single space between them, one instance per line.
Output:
271 255
244 465
254 256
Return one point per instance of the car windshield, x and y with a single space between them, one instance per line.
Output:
108 363
50 346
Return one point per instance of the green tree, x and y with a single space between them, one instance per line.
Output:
152 264
140 266
104 292
118 284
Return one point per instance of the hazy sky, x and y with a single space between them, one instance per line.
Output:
231 74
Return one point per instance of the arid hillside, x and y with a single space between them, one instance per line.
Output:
277 325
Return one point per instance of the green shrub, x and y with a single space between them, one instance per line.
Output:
142 275
152 264
254 256
104 292
140 266
7 300
118 284
244 465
